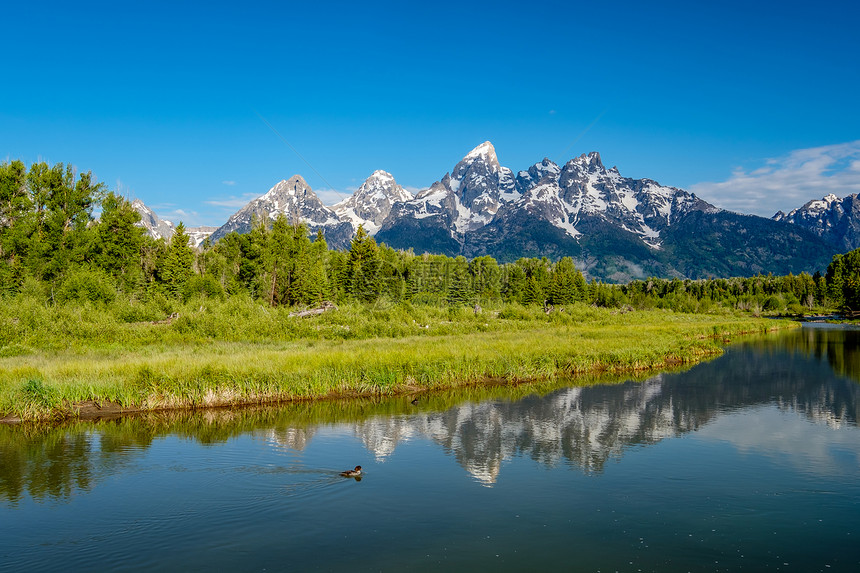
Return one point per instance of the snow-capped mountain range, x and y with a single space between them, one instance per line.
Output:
834 219
585 189
615 227
479 190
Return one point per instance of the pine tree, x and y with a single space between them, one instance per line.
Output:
581 286
486 276
843 280
178 262
278 262
15 209
363 267
392 272
533 293
336 272
459 286
308 279
563 288
57 233
514 284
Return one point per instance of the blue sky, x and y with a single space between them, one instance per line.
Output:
753 105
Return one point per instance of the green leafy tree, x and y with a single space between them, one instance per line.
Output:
843 280
223 262
118 241
61 210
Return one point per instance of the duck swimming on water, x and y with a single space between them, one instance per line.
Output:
352 473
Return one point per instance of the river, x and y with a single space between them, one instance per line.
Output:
747 462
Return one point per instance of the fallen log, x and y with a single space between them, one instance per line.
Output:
326 306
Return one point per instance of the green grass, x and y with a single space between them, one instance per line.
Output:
239 352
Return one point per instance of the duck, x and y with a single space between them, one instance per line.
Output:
352 473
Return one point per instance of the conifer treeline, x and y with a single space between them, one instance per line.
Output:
50 243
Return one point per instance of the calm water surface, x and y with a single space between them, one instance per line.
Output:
750 462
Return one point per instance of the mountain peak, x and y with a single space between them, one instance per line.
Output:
483 158
371 203
486 149
381 174
294 199
834 219
295 185
297 181
592 159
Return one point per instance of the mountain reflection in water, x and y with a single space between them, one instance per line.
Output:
812 372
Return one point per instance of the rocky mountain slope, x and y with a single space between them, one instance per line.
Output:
371 204
835 220
480 204
615 227
158 228
295 199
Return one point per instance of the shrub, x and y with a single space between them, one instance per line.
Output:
772 303
202 286
93 285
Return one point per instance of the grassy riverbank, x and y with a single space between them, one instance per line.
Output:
53 359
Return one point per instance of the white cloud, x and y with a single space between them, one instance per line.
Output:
232 202
331 196
816 445
188 218
787 182
228 182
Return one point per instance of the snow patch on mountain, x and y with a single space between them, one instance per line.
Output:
372 202
465 199
159 228
585 189
834 219
294 199
155 227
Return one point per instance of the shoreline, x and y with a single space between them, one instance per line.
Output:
233 375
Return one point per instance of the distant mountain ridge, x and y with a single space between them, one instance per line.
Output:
158 228
835 220
616 228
